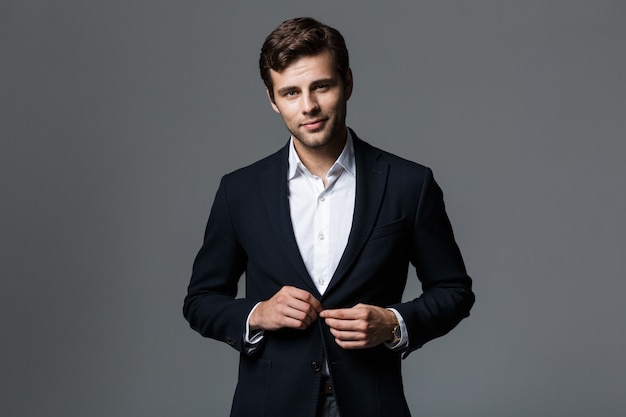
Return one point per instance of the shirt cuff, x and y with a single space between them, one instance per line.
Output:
252 339
404 334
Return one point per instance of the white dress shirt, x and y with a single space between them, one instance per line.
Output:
322 219
322 216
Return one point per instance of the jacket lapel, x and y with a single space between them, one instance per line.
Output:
371 180
275 192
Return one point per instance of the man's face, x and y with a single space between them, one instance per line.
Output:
311 97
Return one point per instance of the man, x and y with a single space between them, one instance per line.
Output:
324 230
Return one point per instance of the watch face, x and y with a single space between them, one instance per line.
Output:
396 334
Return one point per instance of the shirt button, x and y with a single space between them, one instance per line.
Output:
322 199
321 281
321 236
315 366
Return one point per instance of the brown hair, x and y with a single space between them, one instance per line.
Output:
298 37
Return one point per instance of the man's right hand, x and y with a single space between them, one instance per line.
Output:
290 307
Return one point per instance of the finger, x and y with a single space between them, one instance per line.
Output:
340 314
361 344
340 324
285 316
304 296
304 313
352 340
293 298
347 336
303 306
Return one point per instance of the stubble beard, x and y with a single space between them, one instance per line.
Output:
332 132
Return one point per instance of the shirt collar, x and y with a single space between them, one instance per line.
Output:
345 160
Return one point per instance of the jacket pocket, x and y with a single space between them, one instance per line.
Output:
397 226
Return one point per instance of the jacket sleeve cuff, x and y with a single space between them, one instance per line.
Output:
252 339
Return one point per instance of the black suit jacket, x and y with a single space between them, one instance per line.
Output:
399 218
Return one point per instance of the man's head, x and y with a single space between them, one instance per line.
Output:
304 65
297 38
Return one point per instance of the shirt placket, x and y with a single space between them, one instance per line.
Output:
322 240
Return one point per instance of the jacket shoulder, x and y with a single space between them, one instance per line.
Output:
396 163
249 174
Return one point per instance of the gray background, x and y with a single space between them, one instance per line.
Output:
118 118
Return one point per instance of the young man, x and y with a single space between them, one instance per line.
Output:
324 230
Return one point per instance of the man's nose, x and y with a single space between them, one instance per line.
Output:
309 103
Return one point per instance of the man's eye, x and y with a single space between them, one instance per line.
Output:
322 86
291 93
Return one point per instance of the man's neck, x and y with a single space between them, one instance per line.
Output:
319 160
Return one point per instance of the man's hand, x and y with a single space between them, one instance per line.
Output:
290 307
361 326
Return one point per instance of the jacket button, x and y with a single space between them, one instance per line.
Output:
316 366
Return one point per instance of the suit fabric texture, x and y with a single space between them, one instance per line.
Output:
399 219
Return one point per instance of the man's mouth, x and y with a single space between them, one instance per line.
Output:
314 124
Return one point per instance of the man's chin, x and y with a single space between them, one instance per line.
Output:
312 141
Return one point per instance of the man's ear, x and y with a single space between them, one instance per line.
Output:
348 84
272 102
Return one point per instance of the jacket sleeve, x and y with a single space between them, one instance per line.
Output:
211 306
447 295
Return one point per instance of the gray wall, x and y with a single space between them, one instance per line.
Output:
118 118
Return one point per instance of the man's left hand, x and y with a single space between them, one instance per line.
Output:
361 326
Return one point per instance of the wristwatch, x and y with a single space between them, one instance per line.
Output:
396 334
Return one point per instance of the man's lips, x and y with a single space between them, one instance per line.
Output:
314 124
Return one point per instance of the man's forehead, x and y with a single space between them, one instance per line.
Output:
307 68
